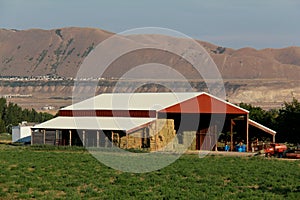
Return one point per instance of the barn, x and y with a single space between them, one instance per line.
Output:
149 121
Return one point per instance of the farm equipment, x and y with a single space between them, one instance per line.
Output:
275 149
292 153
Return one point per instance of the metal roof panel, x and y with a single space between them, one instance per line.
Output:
94 123
132 101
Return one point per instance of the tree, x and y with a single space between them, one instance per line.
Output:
288 122
2 106
267 118
2 126
12 115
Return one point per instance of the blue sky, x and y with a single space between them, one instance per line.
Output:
230 23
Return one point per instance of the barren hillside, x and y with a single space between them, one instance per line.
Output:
61 52
266 77
39 52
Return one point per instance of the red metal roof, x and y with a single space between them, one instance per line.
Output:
205 103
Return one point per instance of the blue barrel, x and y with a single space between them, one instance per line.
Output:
244 148
227 148
240 149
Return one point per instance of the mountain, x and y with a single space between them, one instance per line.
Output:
61 51
265 77
38 52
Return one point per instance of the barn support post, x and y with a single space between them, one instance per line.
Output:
247 132
56 138
274 138
231 134
141 139
31 142
216 137
87 143
127 138
70 137
98 139
112 139
44 133
83 138
156 132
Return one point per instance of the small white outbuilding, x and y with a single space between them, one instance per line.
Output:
22 131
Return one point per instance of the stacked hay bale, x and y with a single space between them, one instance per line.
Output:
133 140
165 134
189 139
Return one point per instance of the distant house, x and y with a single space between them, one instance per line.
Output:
48 107
22 132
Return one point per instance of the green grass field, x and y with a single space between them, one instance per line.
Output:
72 173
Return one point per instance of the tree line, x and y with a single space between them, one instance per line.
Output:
11 115
284 120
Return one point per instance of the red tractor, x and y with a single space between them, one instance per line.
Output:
275 149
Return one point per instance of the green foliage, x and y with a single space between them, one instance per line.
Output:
42 56
69 42
219 50
61 54
88 50
70 52
12 115
288 127
2 114
59 50
32 172
58 32
267 118
2 126
284 121
5 137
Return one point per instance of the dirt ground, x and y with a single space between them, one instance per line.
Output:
39 102
222 153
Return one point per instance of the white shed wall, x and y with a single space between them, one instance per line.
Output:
19 132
